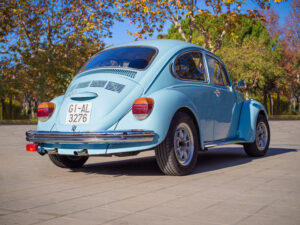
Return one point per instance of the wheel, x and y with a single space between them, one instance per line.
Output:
177 154
262 138
65 161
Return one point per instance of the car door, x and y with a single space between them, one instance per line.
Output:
224 100
190 68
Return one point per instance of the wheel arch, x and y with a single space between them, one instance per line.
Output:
251 109
263 113
193 117
166 103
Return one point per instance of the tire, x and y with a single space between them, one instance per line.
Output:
262 139
182 135
65 161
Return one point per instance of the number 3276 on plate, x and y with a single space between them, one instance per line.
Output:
79 113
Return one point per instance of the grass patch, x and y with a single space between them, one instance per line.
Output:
285 117
18 122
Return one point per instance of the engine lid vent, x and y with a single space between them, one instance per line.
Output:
115 87
83 84
98 83
127 73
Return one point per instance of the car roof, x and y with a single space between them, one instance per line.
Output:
161 44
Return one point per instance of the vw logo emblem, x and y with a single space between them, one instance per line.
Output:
74 128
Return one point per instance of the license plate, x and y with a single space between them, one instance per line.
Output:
79 113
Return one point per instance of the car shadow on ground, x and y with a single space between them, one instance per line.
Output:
213 159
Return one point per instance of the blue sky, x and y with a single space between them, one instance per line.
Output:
120 35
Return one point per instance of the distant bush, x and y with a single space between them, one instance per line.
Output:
16 114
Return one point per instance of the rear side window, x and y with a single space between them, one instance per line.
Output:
217 72
189 66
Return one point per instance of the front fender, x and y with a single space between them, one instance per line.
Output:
248 119
47 126
166 103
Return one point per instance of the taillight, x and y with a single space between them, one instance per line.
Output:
31 147
45 110
142 108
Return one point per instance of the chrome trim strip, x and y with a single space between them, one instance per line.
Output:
90 137
211 144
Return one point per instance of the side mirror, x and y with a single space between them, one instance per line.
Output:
241 84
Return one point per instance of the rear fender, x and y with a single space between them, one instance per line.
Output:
47 125
166 103
248 119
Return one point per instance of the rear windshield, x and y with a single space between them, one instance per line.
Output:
126 57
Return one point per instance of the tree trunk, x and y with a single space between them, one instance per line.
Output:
278 103
3 107
265 101
29 109
299 104
271 103
32 110
10 107
247 94
35 107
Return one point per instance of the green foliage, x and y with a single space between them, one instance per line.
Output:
211 19
174 34
44 43
16 110
255 57
248 52
255 62
283 104
47 42
248 30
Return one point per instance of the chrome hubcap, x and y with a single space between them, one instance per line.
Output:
261 136
184 144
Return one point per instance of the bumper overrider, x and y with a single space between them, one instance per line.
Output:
124 136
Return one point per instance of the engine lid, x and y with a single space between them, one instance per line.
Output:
97 101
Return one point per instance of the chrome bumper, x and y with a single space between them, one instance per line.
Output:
90 137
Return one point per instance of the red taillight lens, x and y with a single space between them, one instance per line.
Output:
31 147
142 108
45 111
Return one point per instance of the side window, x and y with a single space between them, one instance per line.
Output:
190 66
217 72
225 77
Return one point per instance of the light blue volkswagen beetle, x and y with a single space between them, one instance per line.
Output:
170 96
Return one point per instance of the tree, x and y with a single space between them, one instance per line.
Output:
250 53
291 50
151 15
270 20
47 42
256 60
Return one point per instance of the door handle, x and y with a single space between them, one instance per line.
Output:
217 93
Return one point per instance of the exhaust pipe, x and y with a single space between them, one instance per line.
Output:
83 152
52 151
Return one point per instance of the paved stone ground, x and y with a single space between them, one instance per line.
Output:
227 187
